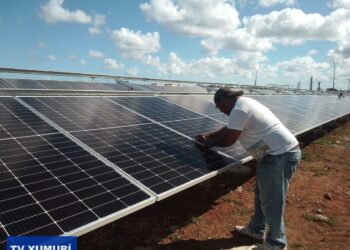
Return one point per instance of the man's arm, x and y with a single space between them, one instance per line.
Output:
222 138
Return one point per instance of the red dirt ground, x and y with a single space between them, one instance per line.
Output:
203 217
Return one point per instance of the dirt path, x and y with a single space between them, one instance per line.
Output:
203 217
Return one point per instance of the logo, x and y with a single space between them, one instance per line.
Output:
42 243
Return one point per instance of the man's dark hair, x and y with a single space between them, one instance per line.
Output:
226 93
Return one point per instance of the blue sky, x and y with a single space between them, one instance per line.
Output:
284 41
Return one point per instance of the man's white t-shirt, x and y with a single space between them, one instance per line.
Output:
261 129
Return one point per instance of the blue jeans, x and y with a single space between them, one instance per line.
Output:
273 175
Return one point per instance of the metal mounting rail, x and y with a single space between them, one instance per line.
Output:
93 76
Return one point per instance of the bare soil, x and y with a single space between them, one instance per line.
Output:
204 216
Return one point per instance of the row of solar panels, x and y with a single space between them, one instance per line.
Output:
71 164
6 83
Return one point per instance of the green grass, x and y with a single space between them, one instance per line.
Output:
241 212
324 141
347 166
318 171
306 156
195 220
296 245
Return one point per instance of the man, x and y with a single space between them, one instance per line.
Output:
277 153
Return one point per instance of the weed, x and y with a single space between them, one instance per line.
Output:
175 236
297 245
324 141
306 156
347 166
318 171
195 220
242 211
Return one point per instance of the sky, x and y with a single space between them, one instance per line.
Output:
230 41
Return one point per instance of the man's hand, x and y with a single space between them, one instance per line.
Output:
205 140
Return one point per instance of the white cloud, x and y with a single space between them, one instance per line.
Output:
53 12
239 40
98 22
312 52
96 54
193 17
294 27
299 67
291 24
339 4
52 57
269 3
83 62
111 64
132 71
135 45
243 65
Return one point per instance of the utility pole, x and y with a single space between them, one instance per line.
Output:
333 73
348 85
311 80
256 77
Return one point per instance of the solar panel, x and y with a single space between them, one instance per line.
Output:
6 84
197 103
50 185
17 121
25 84
296 112
78 113
155 108
158 158
127 133
196 126
109 148
50 84
177 88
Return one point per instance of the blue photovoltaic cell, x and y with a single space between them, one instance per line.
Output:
79 113
155 108
205 125
155 156
16 120
50 185
25 84
5 84
195 103
297 112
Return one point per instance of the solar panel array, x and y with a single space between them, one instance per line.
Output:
60 85
71 164
6 83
